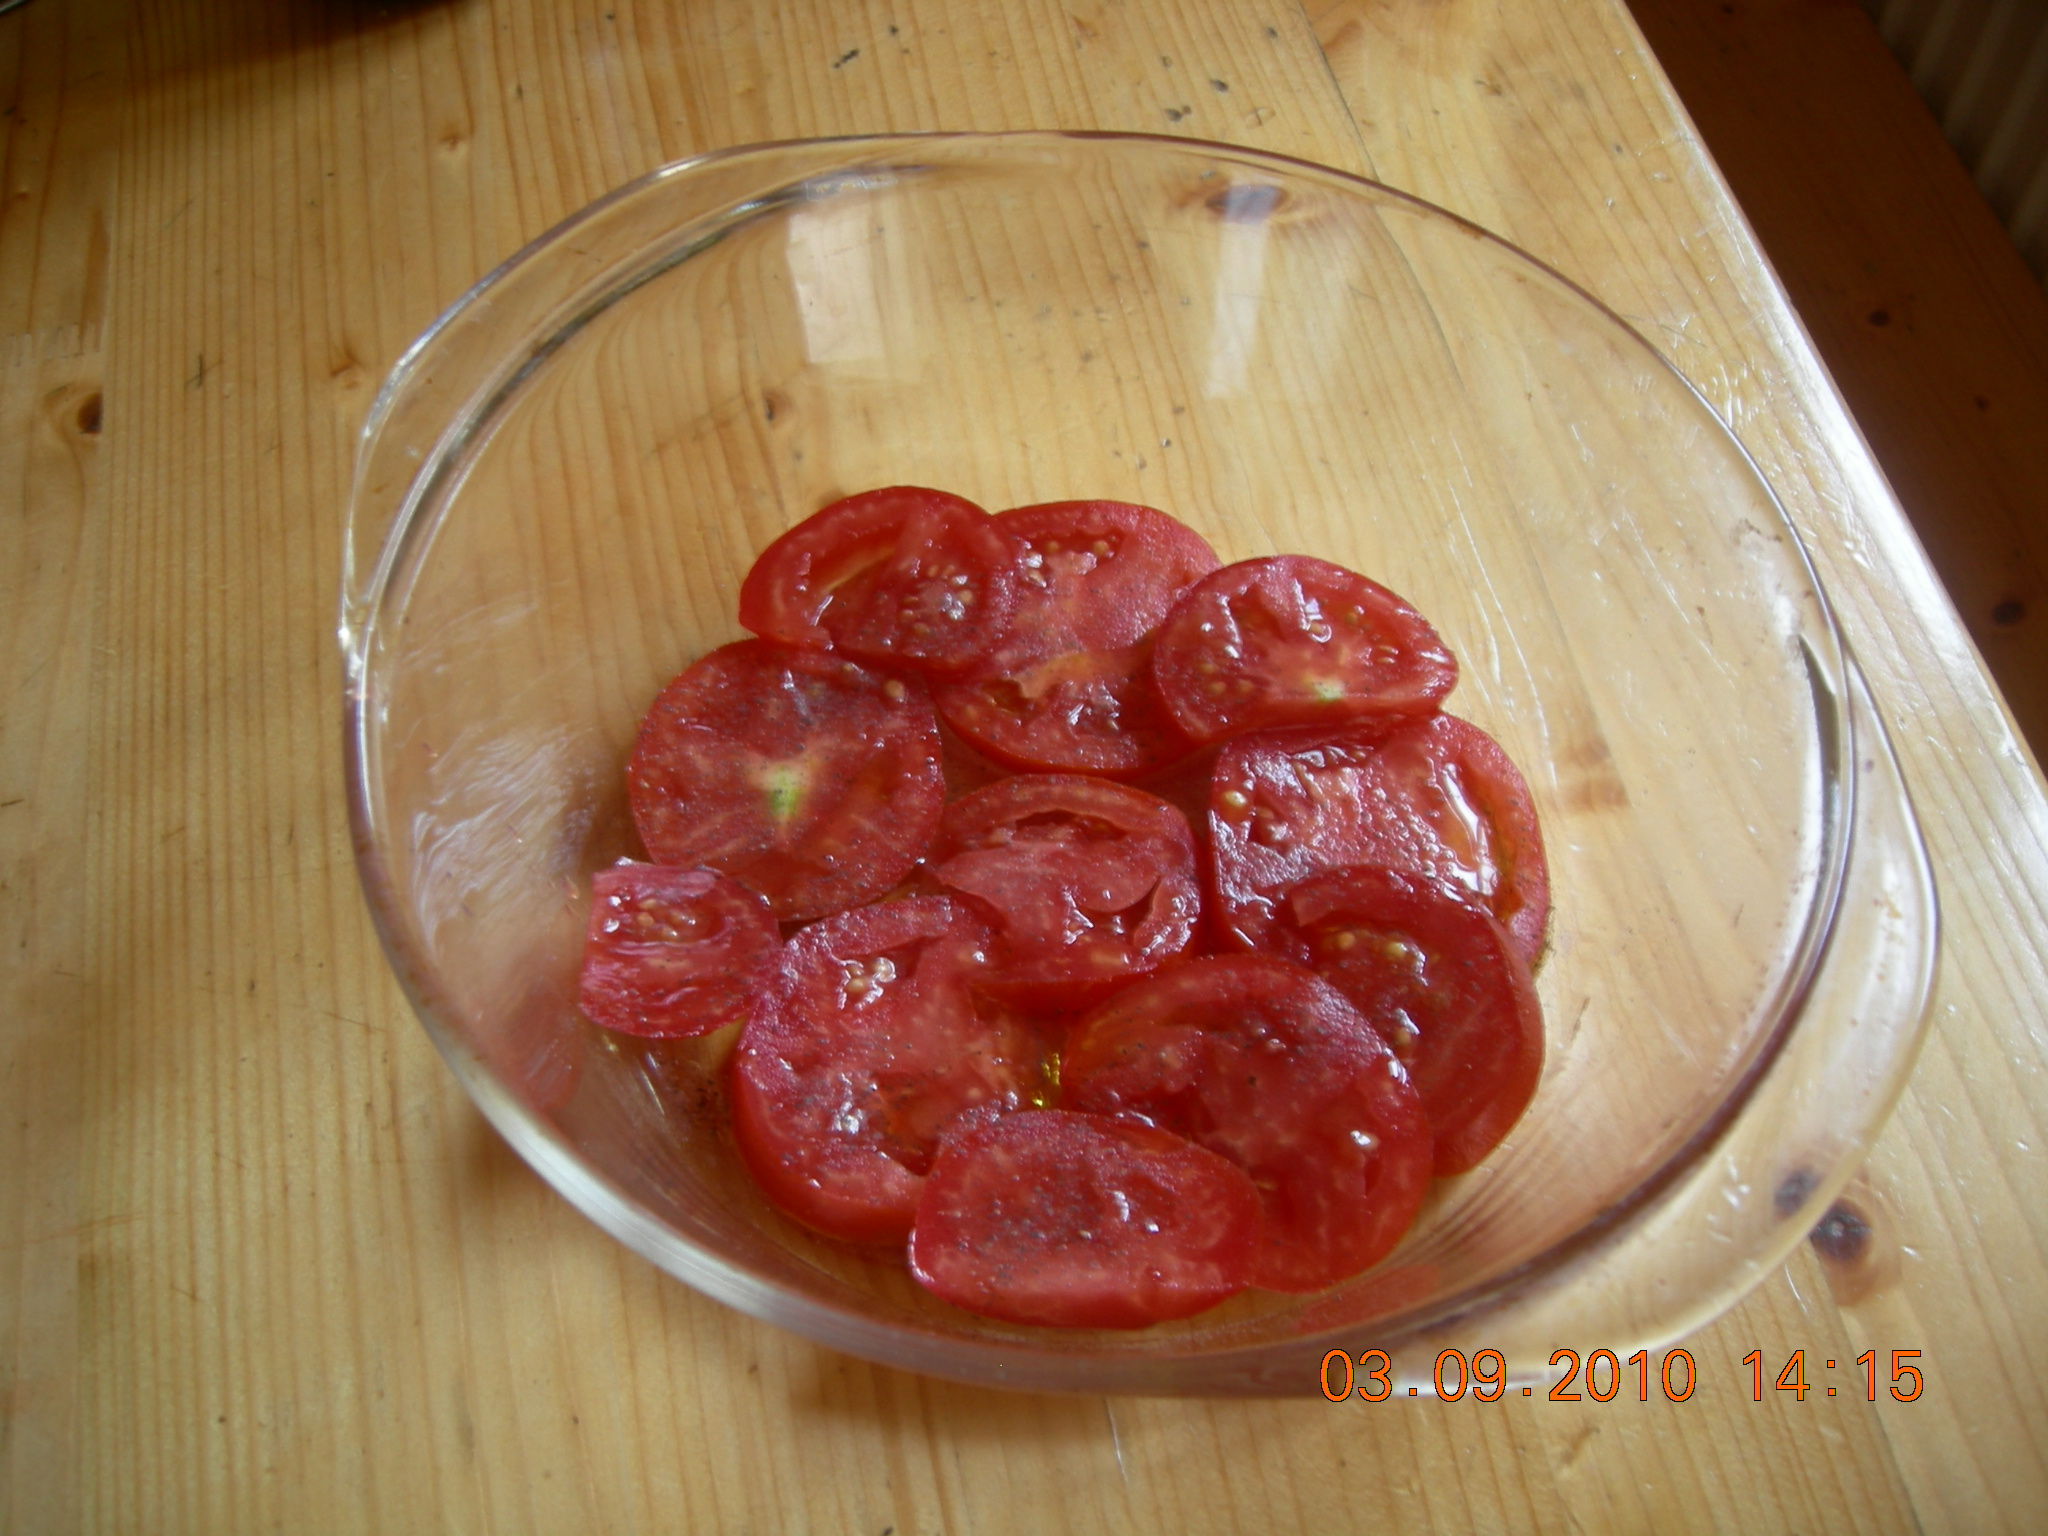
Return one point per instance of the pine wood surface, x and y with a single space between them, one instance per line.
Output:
1916 298
263 1265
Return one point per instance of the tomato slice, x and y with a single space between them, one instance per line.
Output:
1074 1221
1441 981
1257 1059
868 1045
1069 687
1291 640
1097 574
1436 797
672 952
804 776
1088 883
903 576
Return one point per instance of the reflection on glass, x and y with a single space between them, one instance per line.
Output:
1240 288
831 251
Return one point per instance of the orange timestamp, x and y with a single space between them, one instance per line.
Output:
1485 1376
1792 1378
1601 1376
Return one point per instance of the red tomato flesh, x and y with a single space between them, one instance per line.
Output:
804 776
1291 640
1069 686
1073 1221
672 952
868 1045
1087 883
903 576
1441 981
1436 797
1258 1060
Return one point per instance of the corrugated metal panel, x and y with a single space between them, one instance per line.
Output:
1982 66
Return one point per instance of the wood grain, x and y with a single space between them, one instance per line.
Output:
62 90
1646 228
1915 296
264 1267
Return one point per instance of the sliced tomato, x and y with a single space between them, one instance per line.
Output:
868 1045
1441 981
1292 640
1075 1221
1097 574
1258 1060
804 776
1077 711
1069 687
1088 884
673 952
903 576
1436 797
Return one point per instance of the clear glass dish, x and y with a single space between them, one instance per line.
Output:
562 483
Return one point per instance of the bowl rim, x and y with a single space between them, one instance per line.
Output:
1024 1363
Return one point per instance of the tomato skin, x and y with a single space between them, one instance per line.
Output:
1074 1221
868 1045
1077 711
1292 640
1435 796
672 952
903 576
803 775
1441 980
1097 574
1257 1059
1087 883
1069 687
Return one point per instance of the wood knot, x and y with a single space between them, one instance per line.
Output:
74 409
346 370
1842 1236
1857 1244
1246 204
1792 1191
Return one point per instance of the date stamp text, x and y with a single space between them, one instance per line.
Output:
1602 1376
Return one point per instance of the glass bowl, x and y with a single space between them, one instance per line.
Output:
562 483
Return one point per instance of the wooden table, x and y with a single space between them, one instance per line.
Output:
262 1266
